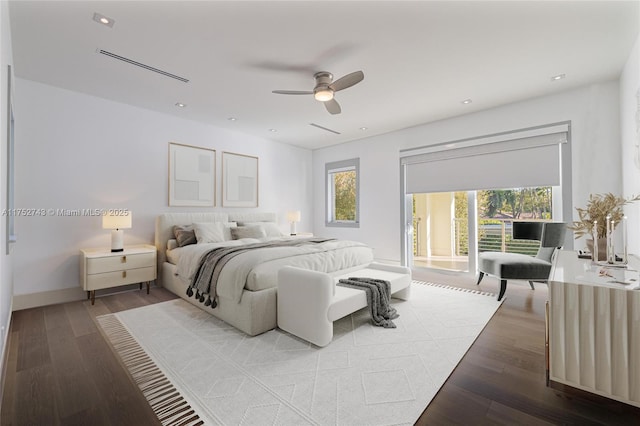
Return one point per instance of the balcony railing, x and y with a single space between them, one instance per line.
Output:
495 235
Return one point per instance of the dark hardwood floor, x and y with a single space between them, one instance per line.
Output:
501 379
61 371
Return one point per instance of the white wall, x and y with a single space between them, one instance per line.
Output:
596 150
630 135
75 151
6 267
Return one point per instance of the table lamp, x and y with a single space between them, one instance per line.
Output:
293 217
117 221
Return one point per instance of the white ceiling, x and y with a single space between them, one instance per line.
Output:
420 59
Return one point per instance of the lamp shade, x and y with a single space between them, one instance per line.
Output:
293 216
117 220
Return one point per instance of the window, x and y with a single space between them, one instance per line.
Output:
343 193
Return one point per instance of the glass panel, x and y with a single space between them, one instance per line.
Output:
342 198
499 208
344 190
441 231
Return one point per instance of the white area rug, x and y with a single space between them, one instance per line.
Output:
367 375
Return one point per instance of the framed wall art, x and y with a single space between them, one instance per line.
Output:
239 180
192 176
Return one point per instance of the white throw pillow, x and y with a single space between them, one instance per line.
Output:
209 232
270 228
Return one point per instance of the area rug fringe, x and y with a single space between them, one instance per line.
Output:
448 287
166 401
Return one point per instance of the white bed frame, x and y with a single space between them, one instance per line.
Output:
256 312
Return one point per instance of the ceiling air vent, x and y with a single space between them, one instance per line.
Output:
323 128
141 65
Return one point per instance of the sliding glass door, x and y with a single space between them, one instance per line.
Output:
442 222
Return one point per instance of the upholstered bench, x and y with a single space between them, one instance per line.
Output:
309 301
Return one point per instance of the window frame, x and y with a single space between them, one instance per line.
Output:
329 169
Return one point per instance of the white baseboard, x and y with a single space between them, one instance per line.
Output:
52 297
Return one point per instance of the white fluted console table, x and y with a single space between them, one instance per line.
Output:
594 327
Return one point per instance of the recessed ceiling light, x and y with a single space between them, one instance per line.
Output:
558 77
363 128
450 145
273 130
104 20
232 119
467 101
180 105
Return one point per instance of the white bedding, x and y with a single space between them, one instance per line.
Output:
258 269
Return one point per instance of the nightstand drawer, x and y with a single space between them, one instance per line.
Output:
99 265
122 277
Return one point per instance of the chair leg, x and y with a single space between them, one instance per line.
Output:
480 275
531 284
503 288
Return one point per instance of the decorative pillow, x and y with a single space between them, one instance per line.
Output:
227 230
171 244
270 228
209 232
248 232
184 235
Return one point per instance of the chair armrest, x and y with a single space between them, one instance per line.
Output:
304 298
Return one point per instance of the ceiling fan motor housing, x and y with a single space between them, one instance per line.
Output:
323 78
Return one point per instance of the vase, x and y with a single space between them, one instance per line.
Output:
602 248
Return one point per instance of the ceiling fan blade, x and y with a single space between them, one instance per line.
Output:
333 107
347 81
293 92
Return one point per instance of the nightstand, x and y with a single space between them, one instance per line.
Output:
100 268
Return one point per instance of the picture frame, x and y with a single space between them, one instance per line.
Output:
192 176
239 180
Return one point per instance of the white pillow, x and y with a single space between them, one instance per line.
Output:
171 244
209 232
270 228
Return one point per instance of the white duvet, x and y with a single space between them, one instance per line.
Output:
258 269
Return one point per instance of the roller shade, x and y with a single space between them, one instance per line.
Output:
518 163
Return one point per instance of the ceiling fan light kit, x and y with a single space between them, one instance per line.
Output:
325 88
323 94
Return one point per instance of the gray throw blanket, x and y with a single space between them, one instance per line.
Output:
378 295
205 280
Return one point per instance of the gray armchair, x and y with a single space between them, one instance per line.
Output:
514 266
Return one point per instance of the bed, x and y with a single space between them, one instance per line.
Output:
247 304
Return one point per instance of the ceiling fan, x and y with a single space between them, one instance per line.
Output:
326 87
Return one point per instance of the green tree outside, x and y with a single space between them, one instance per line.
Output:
516 203
344 190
